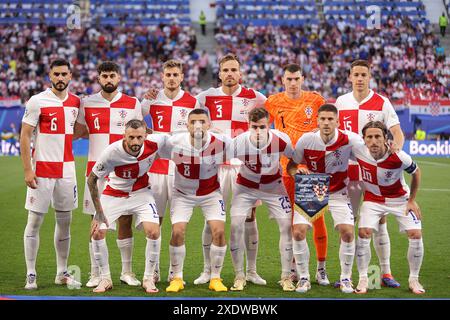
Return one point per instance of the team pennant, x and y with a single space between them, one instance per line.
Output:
311 195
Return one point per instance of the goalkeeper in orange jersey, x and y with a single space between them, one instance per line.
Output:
294 112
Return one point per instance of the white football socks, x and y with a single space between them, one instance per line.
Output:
62 239
301 255
126 252
363 256
251 244
237 244
382 245
95 270
31 239
285 246
177 255
206 242
415 257
217 258
102 257
152 250
346 256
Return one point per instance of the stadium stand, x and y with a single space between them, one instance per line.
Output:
103 12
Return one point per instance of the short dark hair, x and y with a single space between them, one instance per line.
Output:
257 114
360 63
228 57
199 111
172 63
59 63
108 66
375 124
136 124
328 107
292 67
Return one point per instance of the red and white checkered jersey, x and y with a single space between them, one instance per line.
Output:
54 120
354 115
261 167
127 173
229 113
331 158
196 169
168 116
383 179
105 121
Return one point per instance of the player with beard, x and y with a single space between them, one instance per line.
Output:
50 169
103 116
126 163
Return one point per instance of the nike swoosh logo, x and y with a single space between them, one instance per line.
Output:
174 265
95 114
280 111
348 117
233 249
361 255
52 114
313 158
159 112
254 242
288 249
217 101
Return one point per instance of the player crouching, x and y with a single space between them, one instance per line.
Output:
126 162
386 192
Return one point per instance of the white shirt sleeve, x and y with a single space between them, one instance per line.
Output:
165 145
201 99
32 112
289 150
390 116
356 142
104 164
299 152
145 105
260 99
408 164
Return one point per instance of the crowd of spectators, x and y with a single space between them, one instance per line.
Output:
407 59
139 50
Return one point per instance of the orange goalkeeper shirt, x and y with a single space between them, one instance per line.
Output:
294 116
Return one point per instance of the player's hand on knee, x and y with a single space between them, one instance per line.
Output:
31 179
151 94
414 207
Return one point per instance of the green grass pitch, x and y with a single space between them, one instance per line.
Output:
434 199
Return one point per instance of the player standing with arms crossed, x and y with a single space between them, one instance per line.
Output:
356 109
50 169
104 115
294 112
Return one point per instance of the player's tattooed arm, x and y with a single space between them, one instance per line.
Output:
25 143
99 217
412 204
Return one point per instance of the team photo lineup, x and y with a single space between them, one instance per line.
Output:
204 150
225 150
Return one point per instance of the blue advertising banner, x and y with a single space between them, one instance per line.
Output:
311 195
427 148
